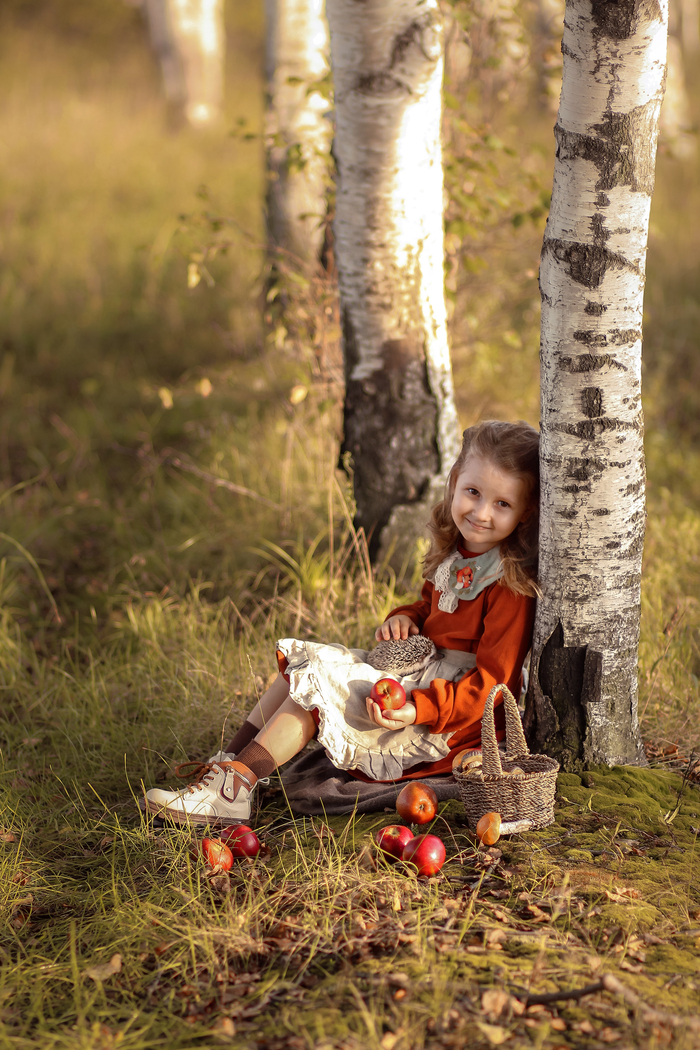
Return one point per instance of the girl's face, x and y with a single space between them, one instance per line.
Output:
488 504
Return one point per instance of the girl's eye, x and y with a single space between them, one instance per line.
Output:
473 492
502 503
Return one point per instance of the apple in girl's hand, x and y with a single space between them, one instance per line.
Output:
426 853
217 855
241 840
488 830
417 803
388 693
392 840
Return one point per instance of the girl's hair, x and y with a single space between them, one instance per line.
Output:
513 448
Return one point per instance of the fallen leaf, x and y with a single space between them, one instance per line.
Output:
224 1029
388 1041
7 836
535 914
493 938
494 1002
631 967
104 970
609 1035
584 1026
621 894
494 1033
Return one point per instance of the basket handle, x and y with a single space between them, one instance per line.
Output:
515 737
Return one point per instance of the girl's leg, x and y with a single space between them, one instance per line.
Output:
271 700
287 731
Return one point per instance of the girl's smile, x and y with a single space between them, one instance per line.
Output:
488 504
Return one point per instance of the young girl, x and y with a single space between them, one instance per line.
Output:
477 605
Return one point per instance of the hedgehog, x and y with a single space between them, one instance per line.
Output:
402 656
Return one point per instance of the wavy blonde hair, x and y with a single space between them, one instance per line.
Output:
513 448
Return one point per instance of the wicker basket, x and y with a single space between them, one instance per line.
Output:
521 796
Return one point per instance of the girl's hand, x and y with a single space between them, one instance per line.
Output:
399 626
399 719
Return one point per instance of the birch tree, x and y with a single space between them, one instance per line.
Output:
400 423
582 704
298 131
188 38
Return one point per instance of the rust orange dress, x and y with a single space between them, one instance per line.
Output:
495 626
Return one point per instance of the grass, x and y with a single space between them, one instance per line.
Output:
142 593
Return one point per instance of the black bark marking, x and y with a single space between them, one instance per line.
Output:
624 336
600 234
592 402
381 85
600 512
569 515
623 149
591 429
567 681
390 430
561 674
586 264
619 19
584 469
594 309
589 338
588 363
602 201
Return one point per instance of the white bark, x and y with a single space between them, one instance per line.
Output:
584 705
188 37
400 418
299 133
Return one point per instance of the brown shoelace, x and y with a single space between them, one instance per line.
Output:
196 771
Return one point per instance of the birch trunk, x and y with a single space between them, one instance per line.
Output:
299 132
400 420
582 705
188 38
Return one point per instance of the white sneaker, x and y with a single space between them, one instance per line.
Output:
222 796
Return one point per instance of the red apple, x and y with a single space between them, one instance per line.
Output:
388 693
426 853
217 855
241 840
417 803
392 840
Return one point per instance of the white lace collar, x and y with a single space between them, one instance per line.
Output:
461 579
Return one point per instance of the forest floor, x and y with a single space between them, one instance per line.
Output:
171 505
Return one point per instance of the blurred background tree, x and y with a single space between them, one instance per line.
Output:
188 39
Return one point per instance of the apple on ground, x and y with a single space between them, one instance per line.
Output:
392 840
217 855
417 803
389 694
241 840
426 853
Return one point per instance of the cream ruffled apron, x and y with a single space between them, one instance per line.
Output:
336 681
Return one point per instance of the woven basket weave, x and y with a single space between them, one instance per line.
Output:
523 796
